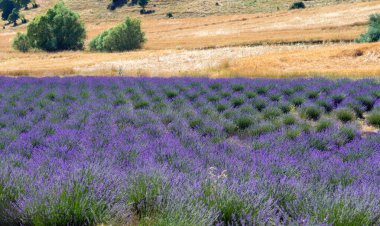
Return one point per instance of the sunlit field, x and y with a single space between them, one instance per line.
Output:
189 151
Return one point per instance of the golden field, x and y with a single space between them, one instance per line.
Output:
314 41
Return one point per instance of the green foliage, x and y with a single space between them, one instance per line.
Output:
221 107
312 113
59 29
141 104
215 86
297 5
237 102
116 4
196 123
289 120
272 112
124 37
14 16
23 3
367 101
21 42
373 33
250 95
259 105
143 3
345 115
262 90
374 119
119 101
7 6
171 93
243 122
297 101
238 87
292 133
323 125
169 15
76 204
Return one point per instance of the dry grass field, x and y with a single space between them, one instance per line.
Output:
314 41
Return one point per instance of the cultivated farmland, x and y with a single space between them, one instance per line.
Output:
189 151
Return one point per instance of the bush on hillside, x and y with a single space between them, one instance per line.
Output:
6 7
124 37
59 29
373 33
297 5
21 42
14 16
116 4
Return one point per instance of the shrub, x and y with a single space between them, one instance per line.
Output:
292 133
312 94
237 102
289 120
141 104
230 128
373 33
259 105
116 4
272 112
338 98
196 123
59 29
171 93
312 113
345 115
250 95
275 97
169 15
367 101
324 104
7 6
21 42
297 5
323 125
285 107
297 101
221 107
345 135
215 86
243 122
14 16
119 101
124 37
262 90
238 87
374 119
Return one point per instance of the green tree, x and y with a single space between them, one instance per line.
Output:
7 6
143 3
21 42
124 37
59 29
373 33
14 16
24 3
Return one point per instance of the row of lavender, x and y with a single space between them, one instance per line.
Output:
188 151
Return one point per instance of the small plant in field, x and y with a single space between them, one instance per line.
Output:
243 122
196 123
215 86
262 129
237 102
213 98
345 115
275 97
262 90
288 91
221 107
171 93
230 128
312 113
345 135
312 94
237 88
292 133
250 95
289 120
259 105
285 107
338 98
225 94
297 5
367 101
141 104
21 42
169 15
373 33
272 112
297 101
325 105
323 125
119 101
374 119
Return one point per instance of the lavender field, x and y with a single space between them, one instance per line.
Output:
189 151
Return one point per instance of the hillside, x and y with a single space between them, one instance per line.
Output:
257 44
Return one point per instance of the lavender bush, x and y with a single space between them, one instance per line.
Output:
188 151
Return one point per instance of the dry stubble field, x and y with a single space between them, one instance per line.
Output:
315 41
